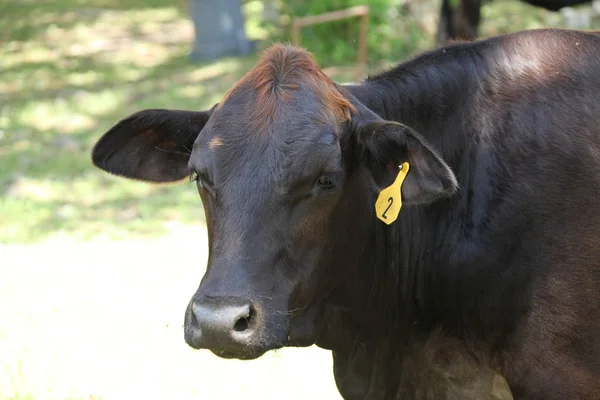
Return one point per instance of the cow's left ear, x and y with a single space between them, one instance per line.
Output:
384 145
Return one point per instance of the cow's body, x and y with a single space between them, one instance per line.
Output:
517 251
459 19
497 276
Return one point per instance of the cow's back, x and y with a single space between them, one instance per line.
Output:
532 198
537 133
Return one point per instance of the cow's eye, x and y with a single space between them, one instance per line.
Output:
200 179
326 182
195 177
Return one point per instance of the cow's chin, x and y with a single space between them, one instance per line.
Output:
252 355
296 338
303 331
305 328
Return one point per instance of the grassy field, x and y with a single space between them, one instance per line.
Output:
95 271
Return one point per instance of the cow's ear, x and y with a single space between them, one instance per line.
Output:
150 145
385 145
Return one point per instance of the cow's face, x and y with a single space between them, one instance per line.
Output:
269 195
287 168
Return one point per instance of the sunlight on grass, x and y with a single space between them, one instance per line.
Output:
57 114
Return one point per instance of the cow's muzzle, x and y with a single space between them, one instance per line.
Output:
229 327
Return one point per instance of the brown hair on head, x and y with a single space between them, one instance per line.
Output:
283 70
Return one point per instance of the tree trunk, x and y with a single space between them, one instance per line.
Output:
219 29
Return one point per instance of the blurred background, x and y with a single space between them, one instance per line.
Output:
96 271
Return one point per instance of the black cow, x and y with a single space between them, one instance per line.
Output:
459 19
491 270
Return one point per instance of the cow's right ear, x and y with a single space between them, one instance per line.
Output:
150 145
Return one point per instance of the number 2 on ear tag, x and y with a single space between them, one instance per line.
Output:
389 202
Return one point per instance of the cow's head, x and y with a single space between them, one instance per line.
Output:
287 166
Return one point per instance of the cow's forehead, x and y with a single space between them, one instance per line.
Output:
282 116
282 143
284 92
275 160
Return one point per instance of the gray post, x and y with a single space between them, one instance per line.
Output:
219 29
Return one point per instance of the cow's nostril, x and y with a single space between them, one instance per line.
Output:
244 322
194 320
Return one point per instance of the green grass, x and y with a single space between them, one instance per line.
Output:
73 68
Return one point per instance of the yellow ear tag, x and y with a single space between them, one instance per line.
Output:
389 202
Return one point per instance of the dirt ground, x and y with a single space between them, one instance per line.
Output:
103 320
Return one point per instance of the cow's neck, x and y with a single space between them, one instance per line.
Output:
433 93
432 367
402 301
398 332
380 315
429 93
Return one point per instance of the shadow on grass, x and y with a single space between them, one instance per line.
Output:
155 214
76 74
22 20
51 132
65 82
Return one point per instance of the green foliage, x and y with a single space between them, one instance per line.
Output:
336 43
